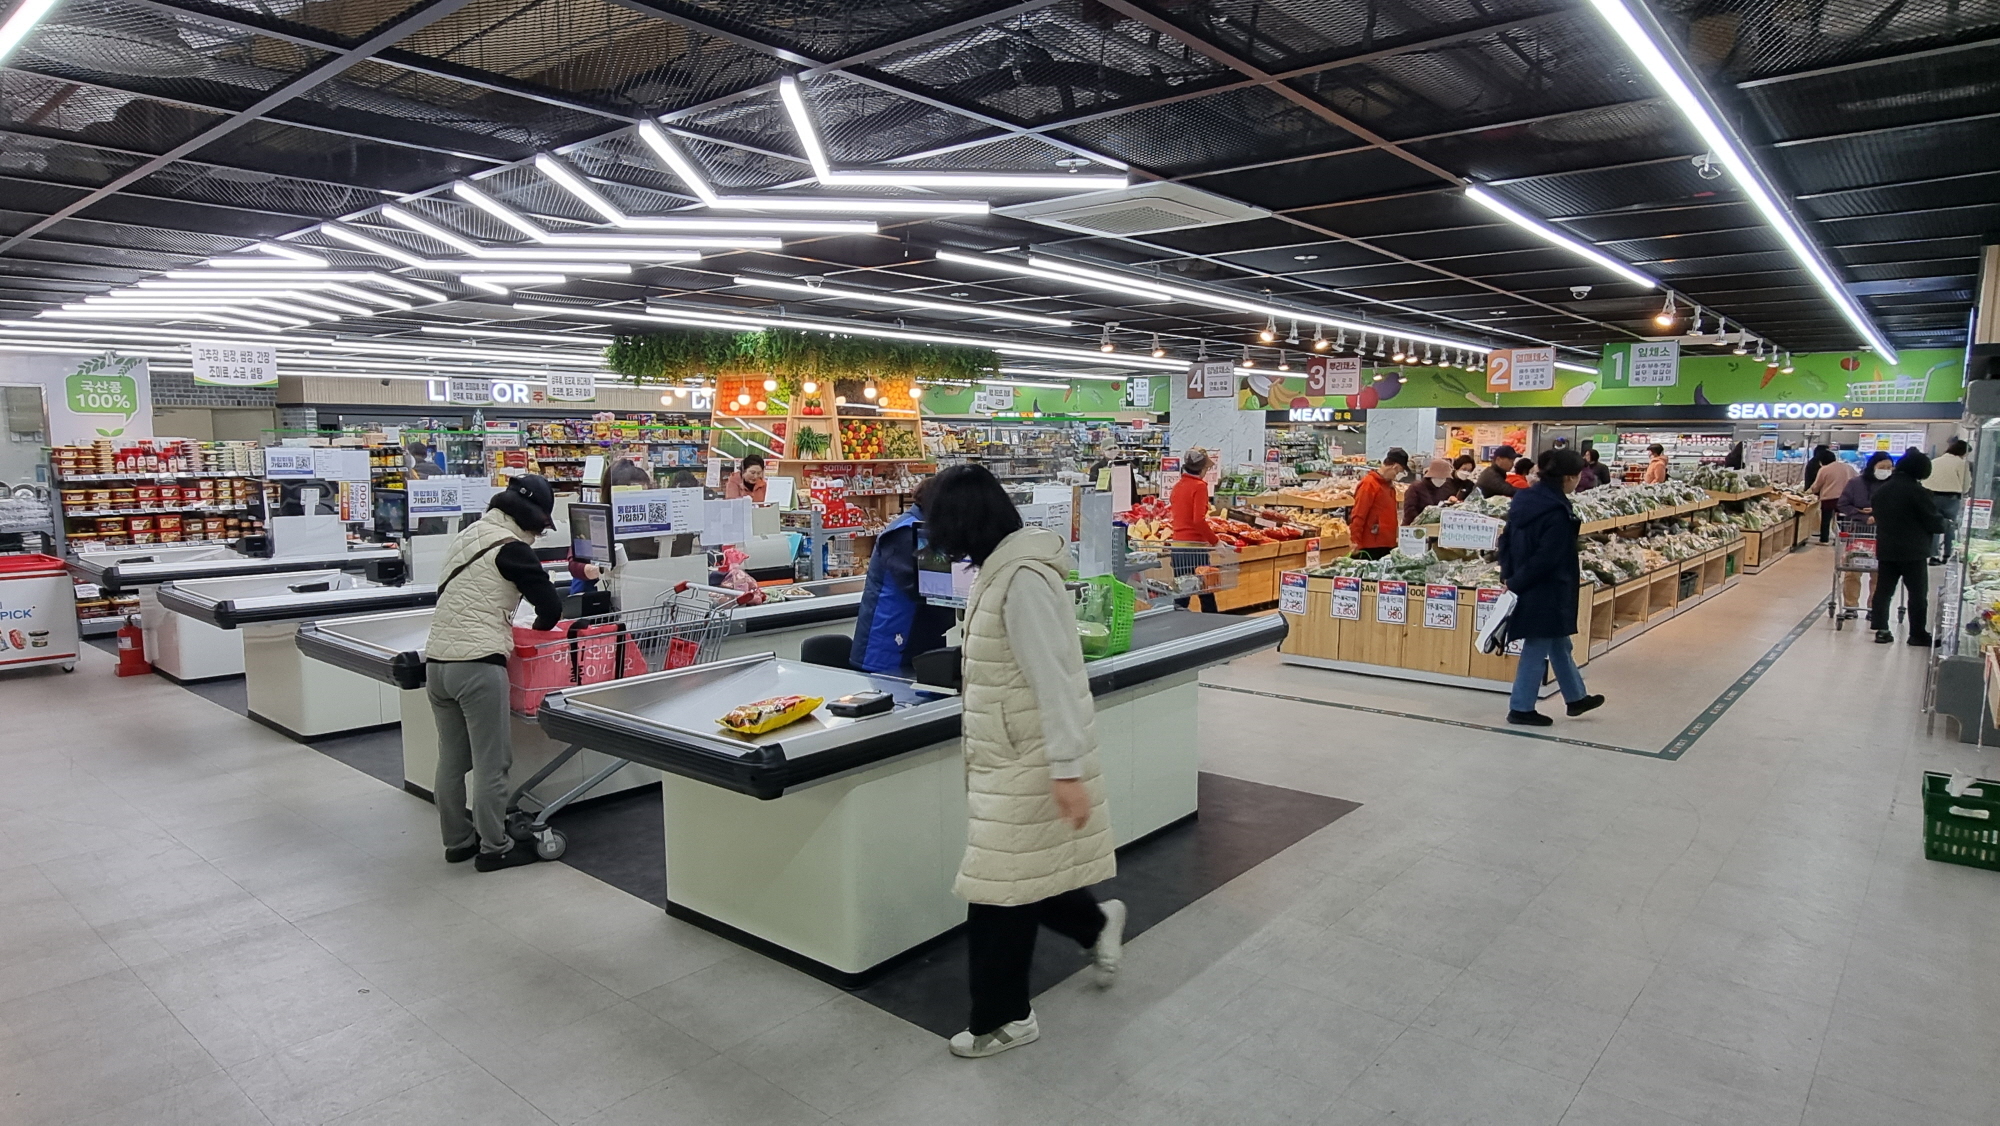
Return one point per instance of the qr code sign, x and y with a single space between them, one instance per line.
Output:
659 513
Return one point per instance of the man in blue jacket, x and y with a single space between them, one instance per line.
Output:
895 623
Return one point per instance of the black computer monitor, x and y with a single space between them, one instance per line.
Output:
590 533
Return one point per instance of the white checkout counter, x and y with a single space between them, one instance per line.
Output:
288 690
388 649
835 841
187 649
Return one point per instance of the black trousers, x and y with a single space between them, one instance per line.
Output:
1000 946
1916 577
1827 510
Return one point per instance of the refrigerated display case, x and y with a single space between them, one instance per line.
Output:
1968 594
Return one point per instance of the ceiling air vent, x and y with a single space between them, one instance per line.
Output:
1143 210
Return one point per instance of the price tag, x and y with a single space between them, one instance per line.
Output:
1272 475
1412 542
1392 602
1292 592
1440 606
1468 531
1982 514
1346 600
1483 601
1312 552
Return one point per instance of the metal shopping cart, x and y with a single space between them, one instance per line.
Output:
683 627
1854 554
1192 570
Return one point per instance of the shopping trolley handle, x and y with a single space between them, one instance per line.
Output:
740 597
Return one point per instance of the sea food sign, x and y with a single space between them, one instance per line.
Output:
1786 410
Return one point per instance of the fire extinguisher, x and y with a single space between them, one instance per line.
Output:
132 648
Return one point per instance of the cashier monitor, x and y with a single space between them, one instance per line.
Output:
590 534
310 497
942 581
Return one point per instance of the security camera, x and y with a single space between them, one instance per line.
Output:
1705 166
1579 291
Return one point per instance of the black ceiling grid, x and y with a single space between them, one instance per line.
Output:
1354 121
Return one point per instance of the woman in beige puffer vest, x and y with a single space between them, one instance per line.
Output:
1038 833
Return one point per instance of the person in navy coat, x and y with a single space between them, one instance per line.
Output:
1538 562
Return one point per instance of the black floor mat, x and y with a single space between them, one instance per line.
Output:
377 753
620 840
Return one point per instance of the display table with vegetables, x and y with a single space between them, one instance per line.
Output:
831 841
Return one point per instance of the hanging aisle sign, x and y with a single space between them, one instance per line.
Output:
572 386
1520 369
1392 602
468 392
1641 364
1211 379
226 364
1333 375
1346 600
1139 392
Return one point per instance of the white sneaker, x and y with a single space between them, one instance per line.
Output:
1110 946
1013 1034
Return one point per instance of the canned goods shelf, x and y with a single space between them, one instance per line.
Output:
168 510
175 475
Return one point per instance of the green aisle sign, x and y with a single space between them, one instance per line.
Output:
1641 364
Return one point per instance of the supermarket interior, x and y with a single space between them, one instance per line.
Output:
999 561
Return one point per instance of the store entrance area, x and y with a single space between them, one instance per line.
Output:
208 922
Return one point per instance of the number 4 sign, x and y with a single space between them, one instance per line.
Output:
1211 379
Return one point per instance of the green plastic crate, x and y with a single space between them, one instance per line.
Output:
1962 830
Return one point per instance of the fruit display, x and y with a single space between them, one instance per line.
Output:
871 439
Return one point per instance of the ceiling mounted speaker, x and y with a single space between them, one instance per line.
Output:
1142 210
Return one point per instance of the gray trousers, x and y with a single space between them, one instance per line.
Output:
475 733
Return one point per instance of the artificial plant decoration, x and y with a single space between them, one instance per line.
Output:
790 357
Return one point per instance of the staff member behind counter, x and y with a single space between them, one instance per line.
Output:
747 481
488 569
895 623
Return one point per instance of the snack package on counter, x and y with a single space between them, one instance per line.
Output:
769 715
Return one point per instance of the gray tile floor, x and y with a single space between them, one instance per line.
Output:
203 923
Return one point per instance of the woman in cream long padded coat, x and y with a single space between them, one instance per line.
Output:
1038 834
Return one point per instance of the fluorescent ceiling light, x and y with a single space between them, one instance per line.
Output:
292 253
248 306
245 261
888 298
568 263
527 253
305 344
1643 36
1016 268
192 314
22 21
499 283
1023 383
1549 233
1068 375
167 306
1562 365
795 108
370 276
362 242
802 124
574 184
497 209
1121 283
656 139
310 294
698 318
527 226
538 337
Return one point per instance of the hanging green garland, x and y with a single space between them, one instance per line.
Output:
788 356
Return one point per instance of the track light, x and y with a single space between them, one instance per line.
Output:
1284 361
1247 361
1293 336
1158 351
1398 355
1740 348
869 392
1427 355
1270 332
1665 317
1381 347
1340 343
1694 329
1787 369
1319 339
1104 343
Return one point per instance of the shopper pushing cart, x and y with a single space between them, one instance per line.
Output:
1906 520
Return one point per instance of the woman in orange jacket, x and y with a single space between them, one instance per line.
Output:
1193 540
1371 524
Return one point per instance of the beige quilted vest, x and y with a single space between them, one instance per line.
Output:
1017 849
475 614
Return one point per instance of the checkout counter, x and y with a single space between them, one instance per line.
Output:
288 690
835 841
388 649
184 648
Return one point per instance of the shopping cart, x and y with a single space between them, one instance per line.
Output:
1854 554
683 627
1191 570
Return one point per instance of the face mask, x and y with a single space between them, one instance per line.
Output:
1463 474
1882 472
1437 482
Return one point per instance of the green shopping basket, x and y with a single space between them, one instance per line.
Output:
1963 829
1110 603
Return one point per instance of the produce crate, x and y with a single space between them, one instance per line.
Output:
1962 830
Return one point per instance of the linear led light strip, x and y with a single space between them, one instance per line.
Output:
537 337
1068 375
802 124
528 227
890 298
750 323
637 243
1157 291
1647 41
656 139
311 292
188 314
21 22
255 308
29 344
372 277
1548 232
276 303
307 344
572 264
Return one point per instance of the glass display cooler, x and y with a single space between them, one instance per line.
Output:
1965 667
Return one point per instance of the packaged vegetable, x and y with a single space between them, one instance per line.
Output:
769 715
